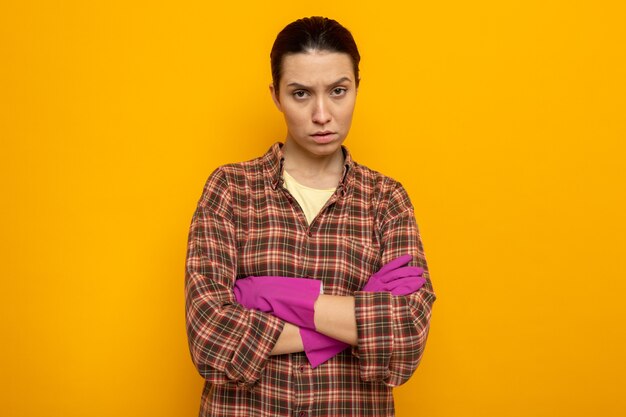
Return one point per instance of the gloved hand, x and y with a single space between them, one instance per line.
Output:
291 299
394 277
397 278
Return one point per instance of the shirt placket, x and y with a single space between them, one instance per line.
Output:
303 234
303 387
303 375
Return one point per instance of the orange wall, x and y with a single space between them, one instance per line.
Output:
505 121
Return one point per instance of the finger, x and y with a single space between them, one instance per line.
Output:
407 271
395 263
406 287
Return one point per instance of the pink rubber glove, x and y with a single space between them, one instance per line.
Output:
394 277
319 348
397 278
290 299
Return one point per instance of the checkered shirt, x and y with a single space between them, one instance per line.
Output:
246 223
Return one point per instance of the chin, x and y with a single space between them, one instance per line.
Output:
315 149
324 149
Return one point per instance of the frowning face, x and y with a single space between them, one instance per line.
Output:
317 95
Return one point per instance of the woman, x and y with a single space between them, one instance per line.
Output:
285 254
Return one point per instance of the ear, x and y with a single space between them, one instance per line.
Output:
275 98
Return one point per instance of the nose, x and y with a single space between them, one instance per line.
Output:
321 113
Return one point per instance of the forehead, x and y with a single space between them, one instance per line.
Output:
316 67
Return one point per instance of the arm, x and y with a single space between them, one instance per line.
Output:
334 317
289 341
297 300
228 343
392 331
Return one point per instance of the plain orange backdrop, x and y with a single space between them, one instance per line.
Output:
505 121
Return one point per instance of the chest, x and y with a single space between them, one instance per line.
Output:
341 246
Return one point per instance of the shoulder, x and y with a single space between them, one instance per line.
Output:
254 170
228 181
385 195
236 172
374 182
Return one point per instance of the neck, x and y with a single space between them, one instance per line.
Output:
322 172
297 159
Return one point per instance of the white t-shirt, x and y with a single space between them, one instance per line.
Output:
310 199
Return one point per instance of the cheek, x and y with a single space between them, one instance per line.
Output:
295 119
346 115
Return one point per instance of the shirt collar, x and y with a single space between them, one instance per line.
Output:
274 163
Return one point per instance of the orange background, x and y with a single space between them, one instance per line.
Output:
505 121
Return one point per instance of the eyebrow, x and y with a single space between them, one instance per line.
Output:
339 81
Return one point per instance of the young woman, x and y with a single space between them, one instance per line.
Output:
307 290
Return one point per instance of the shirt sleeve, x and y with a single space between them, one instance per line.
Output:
392 330
228 343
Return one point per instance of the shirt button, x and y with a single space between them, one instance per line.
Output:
303 413
302 368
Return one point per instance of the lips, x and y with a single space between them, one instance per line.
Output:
322 137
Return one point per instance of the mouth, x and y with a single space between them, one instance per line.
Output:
322 137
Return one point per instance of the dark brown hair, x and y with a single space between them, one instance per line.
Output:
311 34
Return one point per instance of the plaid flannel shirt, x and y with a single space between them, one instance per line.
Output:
246 223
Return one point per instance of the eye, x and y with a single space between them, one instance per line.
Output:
300 94
339 91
